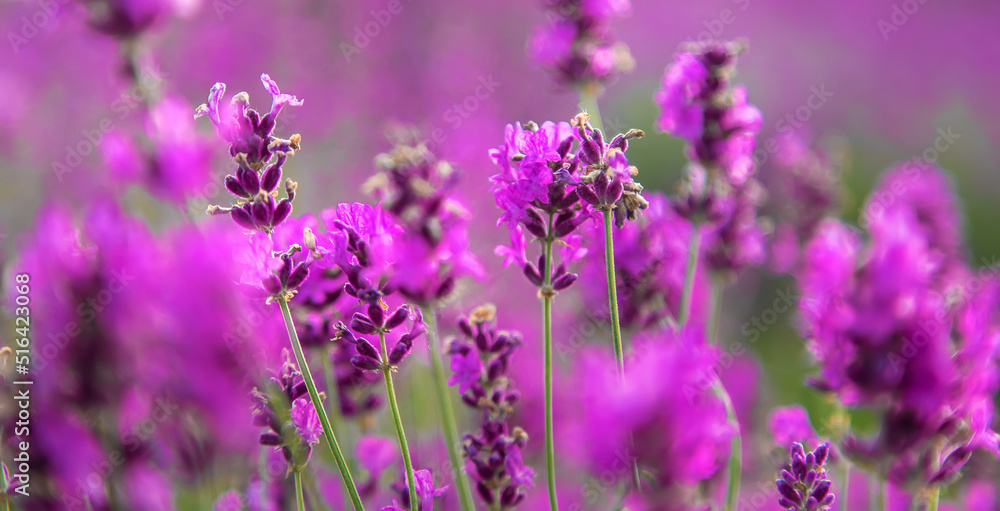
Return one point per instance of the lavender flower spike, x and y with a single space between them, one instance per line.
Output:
804 485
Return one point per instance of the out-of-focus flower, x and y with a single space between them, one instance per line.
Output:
804 485
286 402
576 45
679 429
650 264
896 326
481 361
418 190
700 106
791 425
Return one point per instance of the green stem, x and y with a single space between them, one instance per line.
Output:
716 308
447 413
692 267
736 459
883 498
609 263
932 500
331 439
403 446
550 446
299 498
845 485
616 329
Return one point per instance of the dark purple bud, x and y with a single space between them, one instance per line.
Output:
399 352
365 363
366 349
298 391
272 285
235 188
591 151
242 218
470 401
533 223
601 183
822 452
260 213
788 492
361 324
532 273
350 290
495 370
445 288
249 180
371 402
298 276
465 327
822 489
281 211
501 342
481 342
565 281
272 175
564 147
614 191
508 496
398 317
376 314
484 492
270 439
587 194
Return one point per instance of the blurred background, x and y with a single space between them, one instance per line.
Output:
874 81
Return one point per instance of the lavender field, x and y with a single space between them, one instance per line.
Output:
735 255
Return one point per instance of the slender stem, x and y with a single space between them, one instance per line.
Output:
736 459
447 413
550 446
609 263
403 446
299 498
883 498
845 485
331 439
932 499
616 329
716 309
588 103
692 267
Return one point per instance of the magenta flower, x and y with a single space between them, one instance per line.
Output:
306 421
418 191
575 45
804 485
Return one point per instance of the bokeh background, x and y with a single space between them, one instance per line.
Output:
875 81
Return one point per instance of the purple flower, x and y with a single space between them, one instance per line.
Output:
493 456
896 325
306 421
665 417
607 178
515 253
418 191
229 501
375 454
790 425
804 485
576 47
650 263
258 154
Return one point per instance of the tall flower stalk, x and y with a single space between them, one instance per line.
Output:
418 191
411 482
274 275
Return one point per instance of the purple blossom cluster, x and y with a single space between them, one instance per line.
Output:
804 485
264 364
577 46
481 363
258 154
902 324
700 106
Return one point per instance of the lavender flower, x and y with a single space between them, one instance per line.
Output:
804 485
258 154
896 325
426 492
480 363
576 45
418 191
286 404
376 321
607 178
720 125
